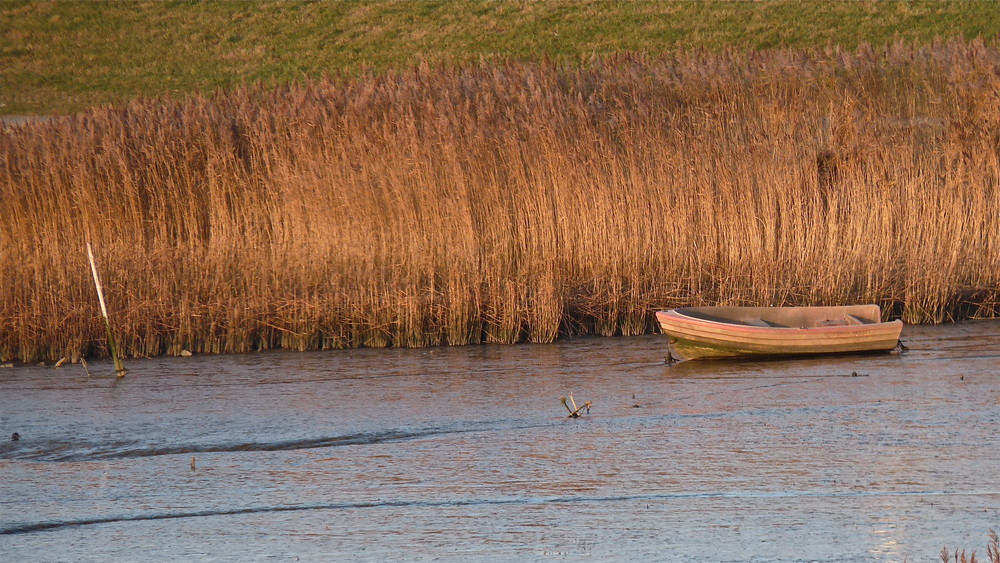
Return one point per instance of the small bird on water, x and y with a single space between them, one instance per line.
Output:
15 437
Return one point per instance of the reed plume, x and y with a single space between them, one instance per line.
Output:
508 201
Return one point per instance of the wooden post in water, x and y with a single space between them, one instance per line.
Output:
119 367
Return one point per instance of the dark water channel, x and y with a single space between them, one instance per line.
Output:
467 454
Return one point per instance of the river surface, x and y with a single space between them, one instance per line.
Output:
467 454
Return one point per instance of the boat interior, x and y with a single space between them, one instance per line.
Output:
787 317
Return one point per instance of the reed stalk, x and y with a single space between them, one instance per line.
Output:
119 366
509 201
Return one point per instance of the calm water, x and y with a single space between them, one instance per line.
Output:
467 453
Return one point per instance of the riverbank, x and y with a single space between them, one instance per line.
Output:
507 202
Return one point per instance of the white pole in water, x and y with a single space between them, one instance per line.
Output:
119 367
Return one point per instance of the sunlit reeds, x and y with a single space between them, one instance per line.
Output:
508 202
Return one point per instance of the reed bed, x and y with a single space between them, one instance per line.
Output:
508 201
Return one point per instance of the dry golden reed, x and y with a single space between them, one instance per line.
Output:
505 202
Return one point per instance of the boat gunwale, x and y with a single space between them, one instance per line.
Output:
737 326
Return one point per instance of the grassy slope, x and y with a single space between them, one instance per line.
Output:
58 57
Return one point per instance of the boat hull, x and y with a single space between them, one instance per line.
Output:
735 332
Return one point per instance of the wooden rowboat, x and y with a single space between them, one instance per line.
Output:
734 332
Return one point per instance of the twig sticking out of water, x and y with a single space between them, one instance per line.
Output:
575 411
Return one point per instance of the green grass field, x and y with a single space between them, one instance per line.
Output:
61 57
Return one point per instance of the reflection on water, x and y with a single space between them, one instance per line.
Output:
467 453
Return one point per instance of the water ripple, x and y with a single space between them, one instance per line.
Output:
26 528
63 451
